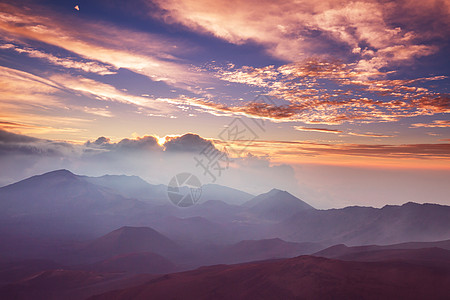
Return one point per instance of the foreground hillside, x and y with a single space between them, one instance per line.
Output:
303 277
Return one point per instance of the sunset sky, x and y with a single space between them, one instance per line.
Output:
344 94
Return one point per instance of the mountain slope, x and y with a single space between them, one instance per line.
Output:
303 277
68 284
276 205
62 204
131 240
366 225
225 194
60 191
336 251
143 262
253 250
132 187
428 255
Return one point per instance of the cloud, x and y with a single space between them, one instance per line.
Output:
145 144
370 134
435 123
23 156
340 132
293 31
100 45
16 144
141 156
19 86
187 143
331 92
299 149
374 33
317 129
25 98
9 137
105 92
14 125
22 95
86 66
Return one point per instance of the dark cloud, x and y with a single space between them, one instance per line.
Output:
101 140
139 144
146 143
9 137
406 151
17 144
187 143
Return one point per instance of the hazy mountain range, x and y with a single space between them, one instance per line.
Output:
89 235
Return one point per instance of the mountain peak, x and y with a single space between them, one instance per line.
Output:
128 239
60 172
275 195
131 230
275 191
276 205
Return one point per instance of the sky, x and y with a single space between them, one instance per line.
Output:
339 102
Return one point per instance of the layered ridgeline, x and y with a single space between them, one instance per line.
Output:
399 271
61 204
72 237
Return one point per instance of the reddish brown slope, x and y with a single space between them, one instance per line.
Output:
145 262
303 277
68 285
427 256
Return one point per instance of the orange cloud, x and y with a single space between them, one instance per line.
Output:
317 129
341 133
86 66
358 98
435 123
407 155
98 43
293 29
369 134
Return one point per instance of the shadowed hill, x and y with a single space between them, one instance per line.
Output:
303 277
276 205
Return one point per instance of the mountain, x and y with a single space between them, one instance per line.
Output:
137 188
420 245
143 262
16 270
428 255
68 284
60 203
60 191
366 225
132 187
225 194
128 240
252 250
304 277
48 216
276 205
193 230
341 249
214 210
